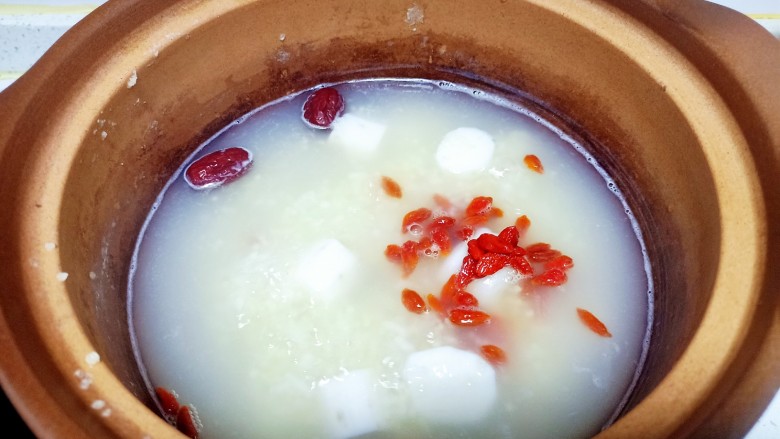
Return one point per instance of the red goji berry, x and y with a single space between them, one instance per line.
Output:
464 299
533 163
185 422
469 317
464 233
323 107
522 224
409 257
442 221
442 202
541 252
510 235
493 354
550 278
394 253
493 244
561 262
475 251
474 220
391 187
491 263
593 323
479 206
415 217
495 212
468 272
412 301
441 239
218 168
448 291
521 264
435 304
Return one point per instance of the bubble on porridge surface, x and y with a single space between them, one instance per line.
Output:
98 404
85 379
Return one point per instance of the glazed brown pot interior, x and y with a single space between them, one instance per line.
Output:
105 120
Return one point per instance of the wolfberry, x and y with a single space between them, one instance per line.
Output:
323 107
493 244
474 220
521 264
493 354
448 291
168 401
550 278
533 163
475 251
469 317
561 262
412 301
415 217
541 252
510 235
464 299
468 272
442 202
218 168
442 221
391 187
464 233
409 257
522 224
435 304
479 206
185 422
495 212
424 244
394 253
593 323
491 263
442 239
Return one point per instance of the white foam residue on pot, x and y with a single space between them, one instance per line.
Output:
132 79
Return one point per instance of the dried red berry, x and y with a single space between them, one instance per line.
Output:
415 218
464 299
391 187
218 168
435 304
448 291
409 257
493 244
442 239
533 163
561 262
323 107
521 264
394 253
479 206
185 423
550 278
522 224
475 251
464 233
469 317
474 220
168 401
491 263
412 301
468 272
510 235
541 252
493 354
443 221
593 323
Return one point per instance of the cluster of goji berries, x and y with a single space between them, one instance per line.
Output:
178 415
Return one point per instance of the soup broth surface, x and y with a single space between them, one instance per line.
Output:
268 305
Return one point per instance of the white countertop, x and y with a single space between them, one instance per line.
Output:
29 27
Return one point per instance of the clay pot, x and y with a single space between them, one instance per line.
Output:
679 102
